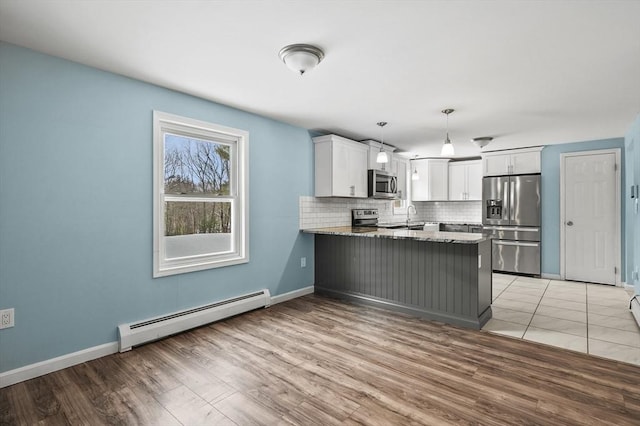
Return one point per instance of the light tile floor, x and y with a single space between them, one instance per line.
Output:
590 318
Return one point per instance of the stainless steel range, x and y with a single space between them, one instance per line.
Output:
512 217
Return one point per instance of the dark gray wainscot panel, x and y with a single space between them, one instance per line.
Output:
438 281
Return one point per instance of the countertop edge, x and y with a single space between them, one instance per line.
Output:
417 235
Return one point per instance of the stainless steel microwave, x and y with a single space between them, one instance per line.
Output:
383 184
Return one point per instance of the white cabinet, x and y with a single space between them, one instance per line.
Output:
465 180
340 167
374 149
433 182
400 166
511 162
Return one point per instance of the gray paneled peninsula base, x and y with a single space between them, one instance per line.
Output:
443 276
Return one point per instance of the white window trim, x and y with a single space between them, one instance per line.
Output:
240 207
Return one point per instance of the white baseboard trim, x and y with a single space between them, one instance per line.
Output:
291 295
551 276
41 368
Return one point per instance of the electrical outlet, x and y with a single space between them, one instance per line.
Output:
303 262
6 318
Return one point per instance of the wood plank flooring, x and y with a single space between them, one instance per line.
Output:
316 360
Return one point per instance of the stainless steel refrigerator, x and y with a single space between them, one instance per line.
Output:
511 215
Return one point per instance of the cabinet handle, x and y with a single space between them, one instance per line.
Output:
352 190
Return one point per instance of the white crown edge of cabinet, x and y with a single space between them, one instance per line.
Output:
336 138
512 151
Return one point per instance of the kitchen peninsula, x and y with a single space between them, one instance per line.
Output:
443 276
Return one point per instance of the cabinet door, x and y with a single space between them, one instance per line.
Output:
496 165
525 162
457 181
474 180
400 168
373 156
438 180
357 170
420 187
341 173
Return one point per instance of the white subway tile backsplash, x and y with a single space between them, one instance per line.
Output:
328 212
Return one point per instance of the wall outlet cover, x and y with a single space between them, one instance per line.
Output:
6 318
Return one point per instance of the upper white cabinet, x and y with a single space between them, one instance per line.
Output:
511 162
374 149
465 180
400 166
340 167
433 182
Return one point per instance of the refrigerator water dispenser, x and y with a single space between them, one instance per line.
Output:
494 209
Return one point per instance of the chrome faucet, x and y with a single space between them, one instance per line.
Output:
409 208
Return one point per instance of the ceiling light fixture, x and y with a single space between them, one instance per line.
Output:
447 147
301 57
415 175
382 155
482 142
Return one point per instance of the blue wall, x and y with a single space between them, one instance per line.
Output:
632 229
76 206
551 198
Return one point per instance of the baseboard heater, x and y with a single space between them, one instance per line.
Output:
134 334
634 305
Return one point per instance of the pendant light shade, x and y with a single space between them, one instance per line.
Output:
301 57
447 147
382 156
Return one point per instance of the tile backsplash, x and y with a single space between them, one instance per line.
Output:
327 212
450 211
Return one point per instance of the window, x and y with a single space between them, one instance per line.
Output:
200 214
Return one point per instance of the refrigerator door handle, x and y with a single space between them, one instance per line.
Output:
512 200
515 243
505 196
510 228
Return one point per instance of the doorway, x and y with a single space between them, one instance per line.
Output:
590 216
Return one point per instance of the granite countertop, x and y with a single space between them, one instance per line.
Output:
401 234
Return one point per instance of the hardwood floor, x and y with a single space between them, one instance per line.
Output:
315 360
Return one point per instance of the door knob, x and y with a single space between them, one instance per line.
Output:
570 223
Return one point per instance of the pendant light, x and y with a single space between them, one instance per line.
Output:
447 147
382 155
414 174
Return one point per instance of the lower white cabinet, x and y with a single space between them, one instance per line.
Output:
465 180
433 181
340 167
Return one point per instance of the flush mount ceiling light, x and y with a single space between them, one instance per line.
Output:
301 57
482 142
447 147
382 156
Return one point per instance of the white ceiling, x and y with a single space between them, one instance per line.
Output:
525 72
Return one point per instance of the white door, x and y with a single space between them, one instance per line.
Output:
589 227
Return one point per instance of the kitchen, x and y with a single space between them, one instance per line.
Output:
76 263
